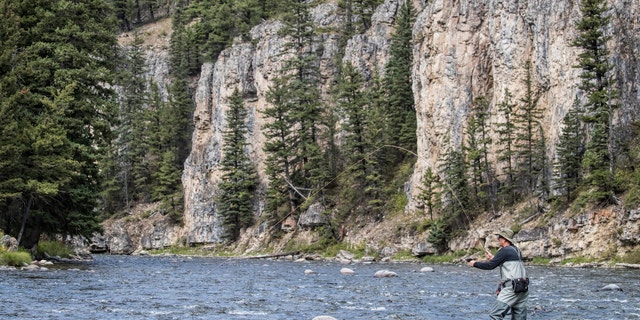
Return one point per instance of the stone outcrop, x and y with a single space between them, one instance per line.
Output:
462 50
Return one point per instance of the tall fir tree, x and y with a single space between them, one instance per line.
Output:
478 143
64 103
401 111
239 179
506 131
597 84
569 154
295 98
528 138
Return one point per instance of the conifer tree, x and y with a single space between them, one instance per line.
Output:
398 83
569 154
477 151
598 86
239 180
428 192
351 103
507 139
528 138
297 116
63 104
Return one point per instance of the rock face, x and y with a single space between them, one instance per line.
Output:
463 49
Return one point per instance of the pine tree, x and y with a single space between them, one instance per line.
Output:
398 83
64 105
279 149
239 180
296 161
507 138
569 154
528 138
428 192
597 85
351 104
477 151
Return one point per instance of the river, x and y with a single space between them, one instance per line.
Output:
163 287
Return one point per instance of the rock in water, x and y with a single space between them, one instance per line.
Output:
385 274
426 269
346 271
611 287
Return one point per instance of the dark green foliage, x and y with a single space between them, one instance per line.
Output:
529 140
56 106
398 85
477 151
296 162
506 131
239 180
454 189
569 153
428 192
597 84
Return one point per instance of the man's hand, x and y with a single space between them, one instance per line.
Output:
471 263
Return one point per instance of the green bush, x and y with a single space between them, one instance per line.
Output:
53 249
15 258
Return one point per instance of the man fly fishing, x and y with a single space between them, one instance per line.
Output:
513 290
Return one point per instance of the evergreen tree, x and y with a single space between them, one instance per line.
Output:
398 84
121 189
279 149
527 120
428 192
239 180
507 138
295 100
597 84
569 154
63 105
351 103
477 151
375 137
454 188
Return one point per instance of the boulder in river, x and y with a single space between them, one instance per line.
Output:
346 271
611 287
385 274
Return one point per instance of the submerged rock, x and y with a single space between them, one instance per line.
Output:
426 269
385 274
324 318
346 271
611 287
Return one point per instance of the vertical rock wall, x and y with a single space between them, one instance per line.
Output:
463 49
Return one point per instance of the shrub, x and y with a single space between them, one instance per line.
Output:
54 249
15 258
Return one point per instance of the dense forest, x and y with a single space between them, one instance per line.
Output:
86 136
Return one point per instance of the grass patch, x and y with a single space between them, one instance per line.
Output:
578 260
15 258
53 249
444 258
541 261
631 257
404 255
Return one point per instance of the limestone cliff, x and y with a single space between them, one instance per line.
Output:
462 49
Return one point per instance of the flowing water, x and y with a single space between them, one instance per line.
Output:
151 287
